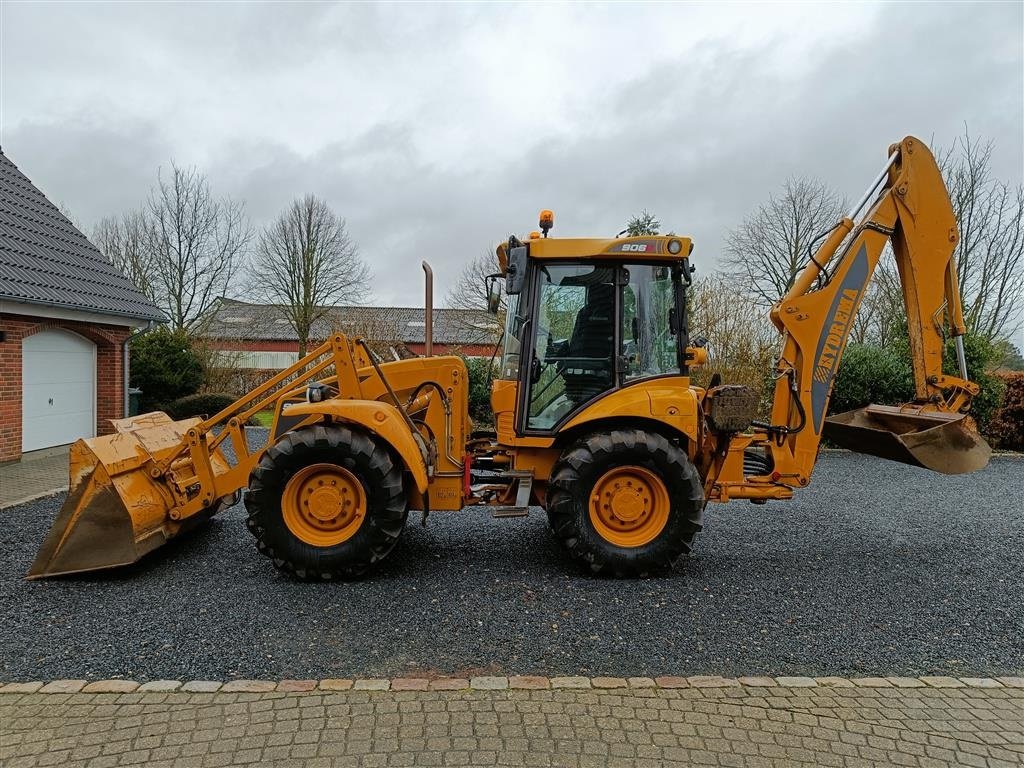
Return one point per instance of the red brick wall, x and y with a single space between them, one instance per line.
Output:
109 340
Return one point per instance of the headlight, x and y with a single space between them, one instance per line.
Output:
675 246
315 393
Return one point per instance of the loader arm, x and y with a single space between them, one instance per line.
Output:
908 206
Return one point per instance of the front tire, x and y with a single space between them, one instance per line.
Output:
625 503
326 502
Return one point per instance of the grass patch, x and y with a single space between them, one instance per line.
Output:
263 419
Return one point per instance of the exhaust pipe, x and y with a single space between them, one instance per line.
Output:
428 327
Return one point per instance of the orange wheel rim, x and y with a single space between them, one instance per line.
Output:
629 506
323 505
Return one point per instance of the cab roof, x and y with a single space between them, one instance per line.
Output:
652 247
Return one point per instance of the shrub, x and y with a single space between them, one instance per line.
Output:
981 356
164 367
872 374
480 376
1006 429
883 375
203 404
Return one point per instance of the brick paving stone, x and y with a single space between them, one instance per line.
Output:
608 682
371 684
488 683
939 681
796 682
871 682
410 684
906 682
64 686
160 686
529 682
981 682
294 686
835 682
449 684
111 686
335 684
248 686
1012 682
201 686
641 682
757 682
30 687
570 682
711 681
671 681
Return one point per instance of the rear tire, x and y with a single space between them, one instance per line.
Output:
660 508
324 460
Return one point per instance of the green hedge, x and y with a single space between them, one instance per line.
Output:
480 376
872 374
883 375
1007 425
205 404
164 367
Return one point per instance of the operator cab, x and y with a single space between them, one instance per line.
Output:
586 317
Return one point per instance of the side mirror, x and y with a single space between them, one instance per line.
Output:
515 277
493 293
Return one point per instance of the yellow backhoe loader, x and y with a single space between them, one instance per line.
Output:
597 420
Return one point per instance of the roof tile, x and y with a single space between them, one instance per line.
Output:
44 259
238 320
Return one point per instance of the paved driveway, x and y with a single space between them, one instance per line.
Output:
749 727
877 568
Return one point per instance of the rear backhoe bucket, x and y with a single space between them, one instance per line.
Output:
115 512
941 442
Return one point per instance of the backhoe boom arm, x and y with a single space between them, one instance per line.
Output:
909 207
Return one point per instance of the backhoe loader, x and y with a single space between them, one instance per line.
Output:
596 418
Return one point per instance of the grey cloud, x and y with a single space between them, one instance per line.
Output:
700 138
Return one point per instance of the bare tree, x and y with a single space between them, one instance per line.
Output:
646 223
881 314
198 243
127 243
769 248
990 253
470 290
742 343
306 262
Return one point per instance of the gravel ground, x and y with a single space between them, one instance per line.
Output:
876 568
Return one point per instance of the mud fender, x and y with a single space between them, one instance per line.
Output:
382 419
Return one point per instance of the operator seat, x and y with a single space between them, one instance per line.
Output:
593 337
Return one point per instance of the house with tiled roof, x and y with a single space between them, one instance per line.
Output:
66 314
259 336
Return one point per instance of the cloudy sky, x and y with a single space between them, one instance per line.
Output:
437 130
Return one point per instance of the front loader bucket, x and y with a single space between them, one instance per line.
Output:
115 512
941 442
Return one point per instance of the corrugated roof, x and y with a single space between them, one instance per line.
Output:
44 259
239 320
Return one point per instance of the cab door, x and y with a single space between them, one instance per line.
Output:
575 338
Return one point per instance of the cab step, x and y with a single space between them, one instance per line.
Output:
524 486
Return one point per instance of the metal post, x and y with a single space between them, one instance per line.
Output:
874 185
961 360
428 328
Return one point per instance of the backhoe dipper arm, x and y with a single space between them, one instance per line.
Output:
911 209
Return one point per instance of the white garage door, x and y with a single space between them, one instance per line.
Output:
58 400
